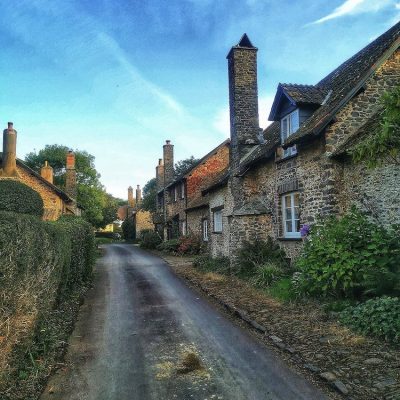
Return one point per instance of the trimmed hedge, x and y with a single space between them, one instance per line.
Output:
20 198
43 265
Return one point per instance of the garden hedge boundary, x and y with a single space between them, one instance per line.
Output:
43 265
20 198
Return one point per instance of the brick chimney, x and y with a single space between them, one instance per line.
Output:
70 180
138 196
160 174
131 202
243 98
9 163
168 152
46 172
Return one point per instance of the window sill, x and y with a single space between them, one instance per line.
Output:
217 233
282 159
290 239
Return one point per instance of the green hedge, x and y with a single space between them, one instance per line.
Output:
42 266
19 198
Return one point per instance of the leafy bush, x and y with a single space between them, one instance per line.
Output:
267 274
376 317
129 229
190 244
20 198
169 246
209 264
350 257
254 255
149 239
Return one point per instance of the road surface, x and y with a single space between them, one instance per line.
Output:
137 326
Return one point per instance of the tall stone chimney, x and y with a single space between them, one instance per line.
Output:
9 163
70 180
46 172
243 98
131 201
160 174
138 196
168 152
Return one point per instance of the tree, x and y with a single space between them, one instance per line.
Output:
91 194
110 209
384 144
150 195
129 229
183 166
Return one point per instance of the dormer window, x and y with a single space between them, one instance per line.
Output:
289 125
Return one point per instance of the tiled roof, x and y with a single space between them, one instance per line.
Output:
346 80
308 94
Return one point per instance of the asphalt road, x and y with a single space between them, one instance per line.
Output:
136 327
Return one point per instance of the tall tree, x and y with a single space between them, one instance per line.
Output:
91 194
183 166
150 195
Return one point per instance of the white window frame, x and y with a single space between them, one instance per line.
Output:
217 217
175 193
291 128
182 190
294 233
183 228
205 230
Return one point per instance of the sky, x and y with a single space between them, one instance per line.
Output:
118 77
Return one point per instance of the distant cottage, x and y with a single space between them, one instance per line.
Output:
299 168
56 201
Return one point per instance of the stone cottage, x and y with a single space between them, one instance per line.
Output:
142 218
56 201
299 168
181 207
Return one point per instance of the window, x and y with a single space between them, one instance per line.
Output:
205 230
175 193
289 125
183 228
218 221
182 190
290 215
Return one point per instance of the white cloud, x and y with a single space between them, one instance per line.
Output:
352 7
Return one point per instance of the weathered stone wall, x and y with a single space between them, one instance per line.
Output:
54 206
195 220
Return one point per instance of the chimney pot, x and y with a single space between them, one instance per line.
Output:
160 161
9 163
167 141
10 125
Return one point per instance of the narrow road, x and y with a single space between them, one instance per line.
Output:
136 327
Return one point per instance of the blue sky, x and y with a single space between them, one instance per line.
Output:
118 77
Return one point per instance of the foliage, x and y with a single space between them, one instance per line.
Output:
189 244
384 145
169 246
19 198
149 239
150 195
129 229
267 274
43 265
207 263
184 166
98 205
350 257
253 255
282 289
376 317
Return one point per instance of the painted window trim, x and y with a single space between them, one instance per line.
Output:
204 223
294 234
217 212
290 151
182 190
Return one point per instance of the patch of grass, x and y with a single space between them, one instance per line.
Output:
190 362
282 290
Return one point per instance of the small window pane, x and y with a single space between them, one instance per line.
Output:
294 121
288 226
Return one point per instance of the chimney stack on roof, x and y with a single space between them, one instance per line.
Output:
131 201
9 163
168 152
160 175
70 180
46 172
138 196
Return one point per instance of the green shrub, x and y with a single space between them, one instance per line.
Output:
282 289
129 229
350 257
169 246
189 244
20 198
149 239
267 274
376 317
207 263
254 255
